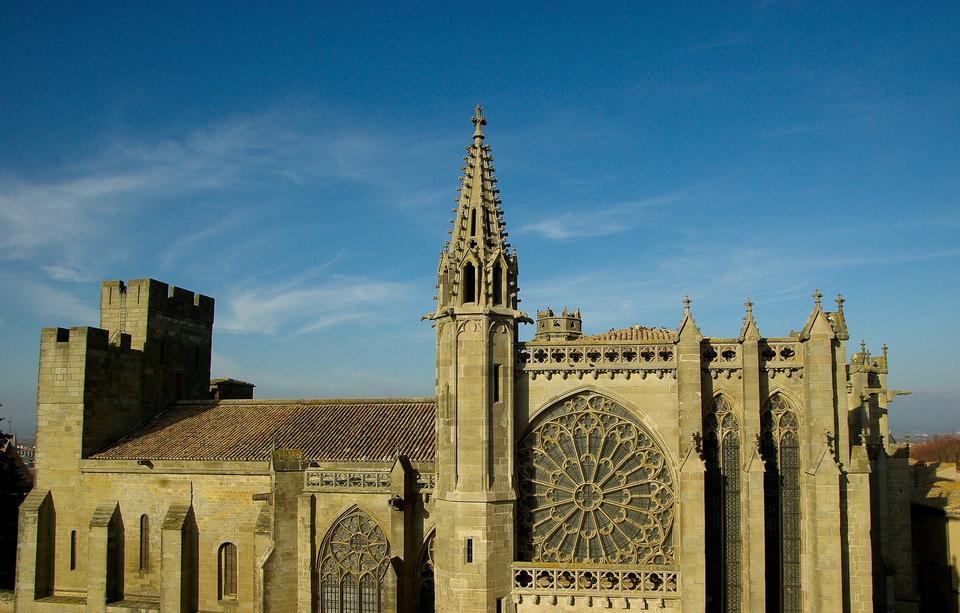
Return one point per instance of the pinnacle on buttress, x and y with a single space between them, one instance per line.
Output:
817 296
840 300
749 328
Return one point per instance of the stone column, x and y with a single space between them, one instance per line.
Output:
756 560
820 561
691 517
99 564
175 568
693 588
753 552
859 554
35 560
306 551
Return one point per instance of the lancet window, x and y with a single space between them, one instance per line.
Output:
469 281
780 449
352 563
227 571
595 488
721 452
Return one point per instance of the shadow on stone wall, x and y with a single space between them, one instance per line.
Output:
935 517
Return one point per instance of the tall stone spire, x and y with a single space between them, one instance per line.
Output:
477 266
476 322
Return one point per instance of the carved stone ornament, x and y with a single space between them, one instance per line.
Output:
594 488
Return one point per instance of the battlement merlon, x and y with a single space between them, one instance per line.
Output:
157 296
94 338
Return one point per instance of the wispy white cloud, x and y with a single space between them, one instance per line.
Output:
302 306
67 272
598 220
47 299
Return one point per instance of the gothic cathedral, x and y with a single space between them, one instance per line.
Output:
641 468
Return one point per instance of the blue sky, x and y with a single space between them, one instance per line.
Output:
299 163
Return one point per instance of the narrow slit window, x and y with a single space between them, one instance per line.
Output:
473 222
496 383
73 550
469 551
144 542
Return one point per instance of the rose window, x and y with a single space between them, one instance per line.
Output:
594 488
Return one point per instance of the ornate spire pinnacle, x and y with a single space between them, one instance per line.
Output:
816 297
748 307
686 305
884 348
840 301
863 347
478 121
478 267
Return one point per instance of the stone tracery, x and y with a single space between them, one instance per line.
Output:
594 488
352 565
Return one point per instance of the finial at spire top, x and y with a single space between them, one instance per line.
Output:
748 305
686 304
863 346
478 121
884 349
840 301
817 296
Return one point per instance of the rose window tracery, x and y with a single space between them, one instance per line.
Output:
594 487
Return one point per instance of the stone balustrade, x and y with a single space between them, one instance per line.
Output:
553 581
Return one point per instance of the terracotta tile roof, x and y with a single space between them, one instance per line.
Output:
633 333
324 430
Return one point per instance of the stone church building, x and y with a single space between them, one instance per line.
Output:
640 469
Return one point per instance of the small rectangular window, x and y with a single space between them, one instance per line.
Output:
496 383
469 551
73 550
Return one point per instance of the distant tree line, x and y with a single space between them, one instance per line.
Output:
939 448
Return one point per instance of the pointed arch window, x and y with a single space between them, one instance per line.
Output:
469 281
353 561
780 450
721 447
595 487
227 571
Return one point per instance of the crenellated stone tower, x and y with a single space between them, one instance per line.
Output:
476 322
